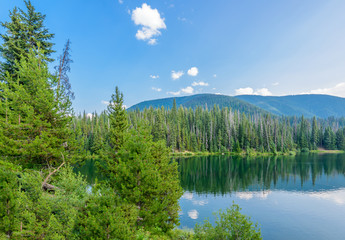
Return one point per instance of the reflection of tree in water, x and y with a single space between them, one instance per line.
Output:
224 174
89 170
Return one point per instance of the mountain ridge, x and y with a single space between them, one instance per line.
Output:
308 105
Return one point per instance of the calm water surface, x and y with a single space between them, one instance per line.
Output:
298 197
301 197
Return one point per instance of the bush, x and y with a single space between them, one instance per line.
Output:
230 224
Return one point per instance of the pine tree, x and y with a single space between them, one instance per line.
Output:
35 126
118 121
25 31
145 176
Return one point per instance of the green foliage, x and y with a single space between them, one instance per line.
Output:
146 177
34 125
229 224
24 31
106 216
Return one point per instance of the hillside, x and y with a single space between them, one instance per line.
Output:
310 105
203 100
321 106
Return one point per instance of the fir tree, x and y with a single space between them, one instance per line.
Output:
24 31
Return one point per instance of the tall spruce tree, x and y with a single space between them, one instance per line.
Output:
24 31
35 125
145 176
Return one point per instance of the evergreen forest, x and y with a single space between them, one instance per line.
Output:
41 139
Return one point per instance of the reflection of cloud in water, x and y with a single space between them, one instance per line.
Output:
200 202
188 195
244 195
336 196
180 213
250 195
193 214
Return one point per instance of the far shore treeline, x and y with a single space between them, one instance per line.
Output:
219 130
41 197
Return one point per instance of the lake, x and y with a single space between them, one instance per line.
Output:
291 197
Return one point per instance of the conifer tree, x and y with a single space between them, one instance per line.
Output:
24 31
35 125
145 176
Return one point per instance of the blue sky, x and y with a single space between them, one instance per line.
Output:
164 48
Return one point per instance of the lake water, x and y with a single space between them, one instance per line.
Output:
300 197
291 197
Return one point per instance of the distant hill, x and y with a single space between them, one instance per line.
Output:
321 106
202 100
310 105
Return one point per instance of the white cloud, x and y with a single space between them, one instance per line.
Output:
263 92
156 89
337 90
154 76
193 214
244 91
120 1
174 93
214 75
151 23
152 41
176 75
188 89
203 84
275 84
89 115
250 91
193 71
105 102
182 19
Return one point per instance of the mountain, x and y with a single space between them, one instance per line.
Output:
321 106
203 100
310 105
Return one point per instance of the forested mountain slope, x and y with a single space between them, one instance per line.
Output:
310 105
203 100
321 106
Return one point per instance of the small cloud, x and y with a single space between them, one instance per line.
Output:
250 91
275 84
156 89
202 84
182 19
121 1
188 90
193 214
214 88
337 90
263 92
154 76
89 115
174 93
193 71
105 102
244 91
152 41
176 75
214 75
151 23
217 93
